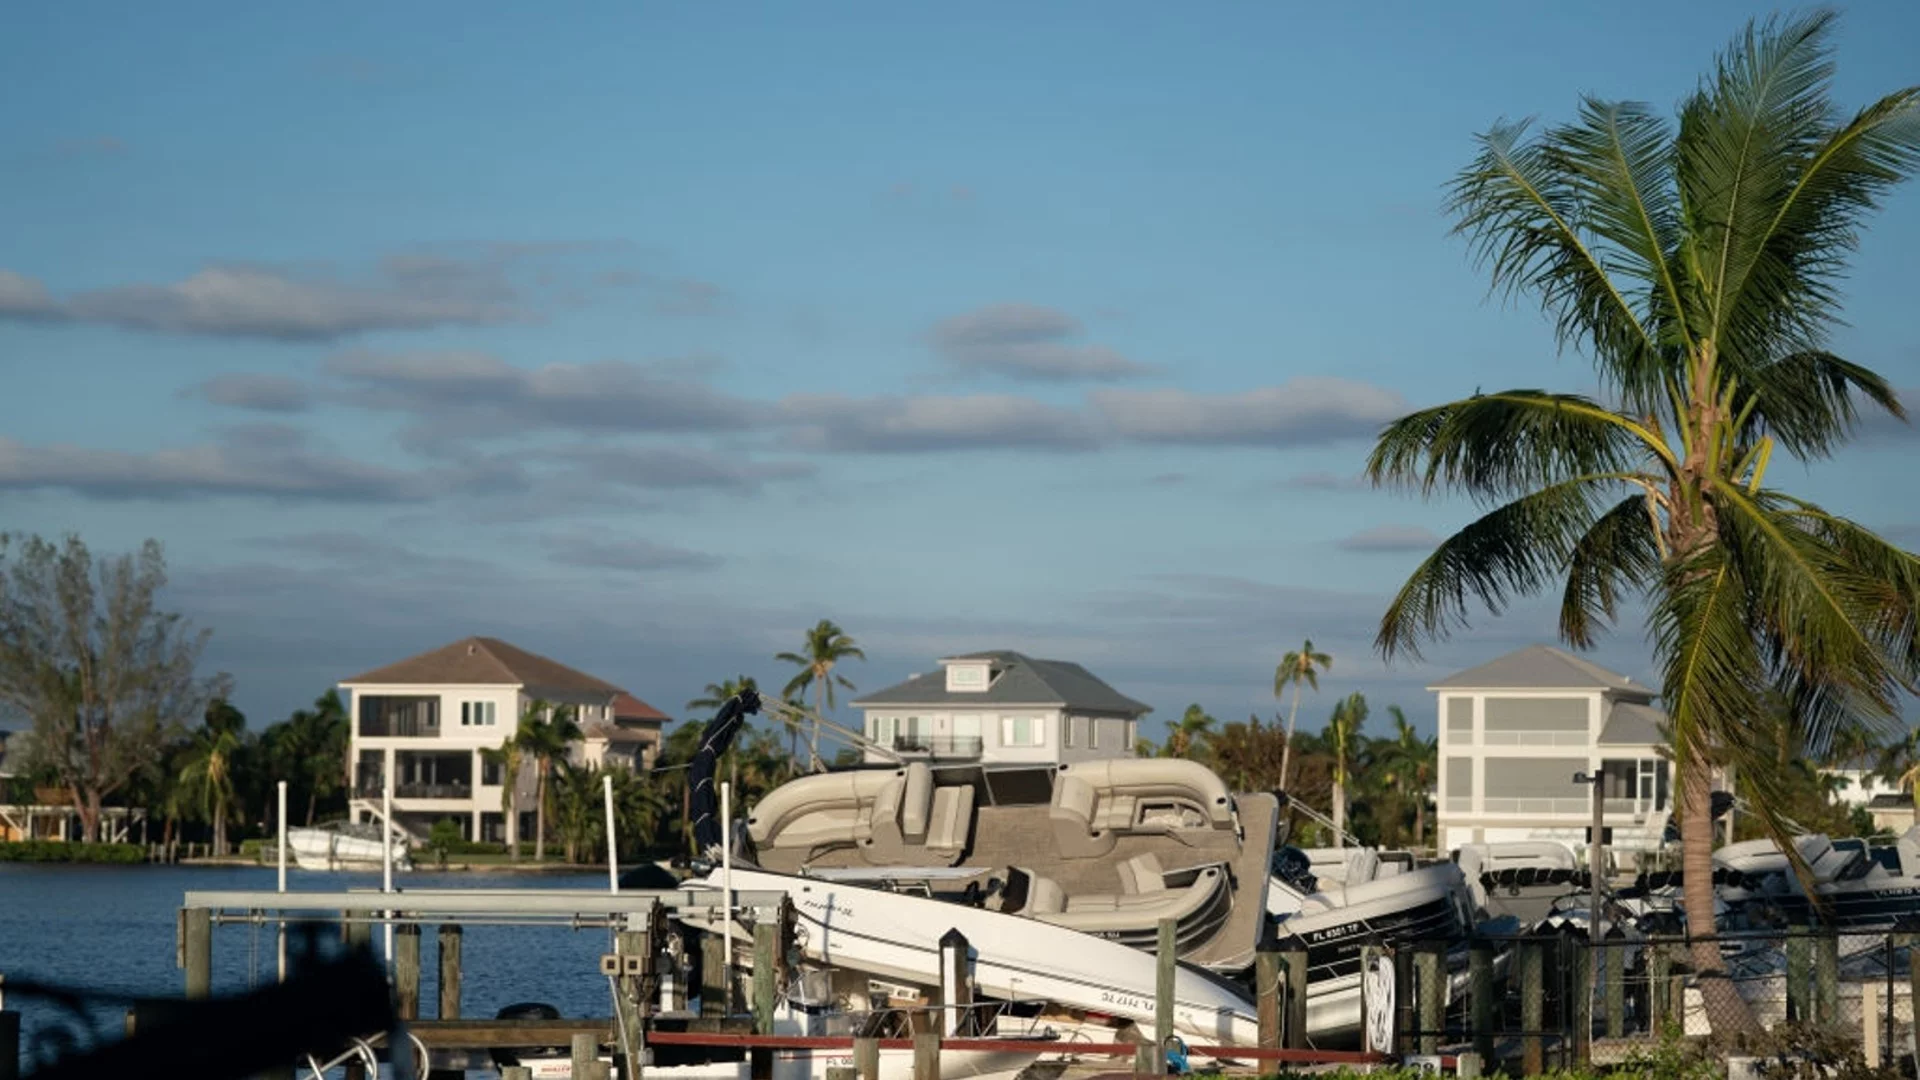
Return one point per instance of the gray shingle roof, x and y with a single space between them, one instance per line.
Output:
1631 724
1539 667
1022 681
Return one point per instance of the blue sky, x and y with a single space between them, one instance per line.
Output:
646 335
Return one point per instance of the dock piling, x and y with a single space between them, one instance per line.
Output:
866 1057
585 1051
716 997
196 951
1431 964
1480 990
406 971
926 1054
1166 967
1826 978
956 989
765 946
1266 986
1532 999
1294 1005
451 939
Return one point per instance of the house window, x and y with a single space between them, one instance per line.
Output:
1021 731
1069 732
1093 733
880 730
492 771
1460 719
1459 777
1543 721
476 714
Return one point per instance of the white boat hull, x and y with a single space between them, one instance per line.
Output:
898 936
324 849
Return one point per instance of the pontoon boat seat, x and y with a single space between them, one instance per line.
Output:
814 813
1142 874
1111 914
913 822
1095 802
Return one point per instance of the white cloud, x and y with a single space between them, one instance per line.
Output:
258 392
838 423
1026 342
1302 411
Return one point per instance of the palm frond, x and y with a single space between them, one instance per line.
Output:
1787 284
1714 674
1808 400
1618 157
1514 550
1521 209
1495 446
1742 137
1817 612
1620 551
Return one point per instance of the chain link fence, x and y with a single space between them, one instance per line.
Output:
1556 999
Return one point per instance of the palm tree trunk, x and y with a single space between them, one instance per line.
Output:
1420 819
1286 748
1339 814
313 799
540 812
219 826
513 816
1726 1008
813 736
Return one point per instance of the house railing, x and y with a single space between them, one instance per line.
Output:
1536 806
1534 738
954 746
433 791
404 727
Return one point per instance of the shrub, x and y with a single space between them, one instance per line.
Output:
61 851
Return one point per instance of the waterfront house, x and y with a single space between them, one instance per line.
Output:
1002 706
1514 731
425 720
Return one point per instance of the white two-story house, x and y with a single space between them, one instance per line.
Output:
1515 730
426 720
1001 706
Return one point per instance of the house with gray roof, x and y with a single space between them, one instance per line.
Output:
1002 706
1514 731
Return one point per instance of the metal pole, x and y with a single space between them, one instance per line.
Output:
613 849
1596 917
386 850
280 929
726 880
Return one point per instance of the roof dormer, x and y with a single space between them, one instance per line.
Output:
971 674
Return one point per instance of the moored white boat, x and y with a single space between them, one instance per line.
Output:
345 846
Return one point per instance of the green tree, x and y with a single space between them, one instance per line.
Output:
1697 264
510 757
1301 667
442 838
309 748
826 646
545 735
1407 764
1343 735
1187 737
103 675
208 774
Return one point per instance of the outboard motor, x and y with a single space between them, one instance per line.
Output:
1295 868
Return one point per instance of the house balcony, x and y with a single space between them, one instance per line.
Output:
949 747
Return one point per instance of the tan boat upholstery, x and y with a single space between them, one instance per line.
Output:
915 823
1113 913
814 812
1142 874
1096 802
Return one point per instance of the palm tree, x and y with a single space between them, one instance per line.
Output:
1899 764
311 746
826 646
510 758
1409 761
1187 737
1698 264
718 694
1349 714
1303 666
209 768
546 733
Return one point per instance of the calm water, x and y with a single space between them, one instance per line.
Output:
111 929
